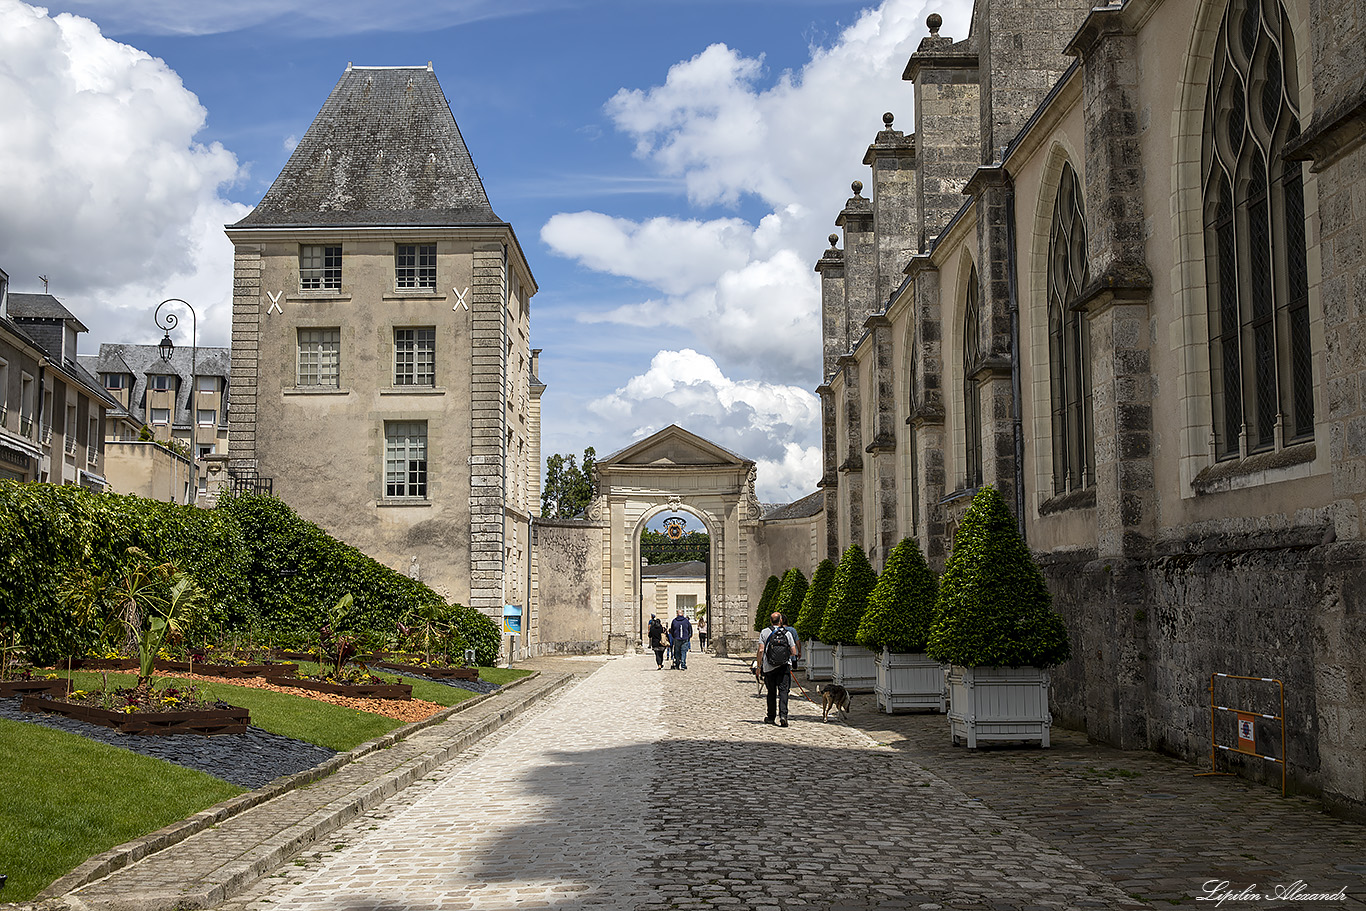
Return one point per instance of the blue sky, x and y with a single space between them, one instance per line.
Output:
671 168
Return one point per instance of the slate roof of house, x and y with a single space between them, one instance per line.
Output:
143 361
804 508
685 570
384 150
40 306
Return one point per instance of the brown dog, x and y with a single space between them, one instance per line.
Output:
833 696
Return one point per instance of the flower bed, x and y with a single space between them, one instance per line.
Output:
31 687
220 720
359 690
193 667
434 672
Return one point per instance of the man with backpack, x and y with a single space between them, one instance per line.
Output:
777 646
680 637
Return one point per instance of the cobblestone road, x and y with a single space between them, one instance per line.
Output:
645 789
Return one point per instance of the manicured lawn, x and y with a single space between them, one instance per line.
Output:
68 798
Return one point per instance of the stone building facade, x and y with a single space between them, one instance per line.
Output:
52 411
383 375
1116 271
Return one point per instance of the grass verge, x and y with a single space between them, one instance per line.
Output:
74 798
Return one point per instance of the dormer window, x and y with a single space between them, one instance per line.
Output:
115 381
160 382
320 267
415 266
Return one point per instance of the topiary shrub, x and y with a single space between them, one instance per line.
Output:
790 595
812 613
766 601
901 605
994 609
854 580
477 631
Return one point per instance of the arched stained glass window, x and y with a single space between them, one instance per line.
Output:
1261 375
972 393
1069 342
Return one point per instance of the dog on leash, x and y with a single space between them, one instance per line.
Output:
833 696
758 673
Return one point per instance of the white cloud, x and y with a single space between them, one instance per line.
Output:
105 189
747 290
776 425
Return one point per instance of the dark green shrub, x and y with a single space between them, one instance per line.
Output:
854 580
477 631
790 594
766 602
901 605
994 609
812 613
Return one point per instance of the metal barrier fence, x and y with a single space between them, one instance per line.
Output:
1247 727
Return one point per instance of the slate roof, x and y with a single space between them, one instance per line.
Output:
143 361
384 150
40 306
683 570
805 508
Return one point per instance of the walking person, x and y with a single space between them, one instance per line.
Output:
777 646
680 635
702 633
656 634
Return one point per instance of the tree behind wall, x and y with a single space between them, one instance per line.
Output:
568 486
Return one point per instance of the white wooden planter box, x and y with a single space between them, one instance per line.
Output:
855 668
998 703
819 660
909 681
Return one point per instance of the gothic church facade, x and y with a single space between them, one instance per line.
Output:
1116 270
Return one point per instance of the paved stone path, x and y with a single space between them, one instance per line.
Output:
645 789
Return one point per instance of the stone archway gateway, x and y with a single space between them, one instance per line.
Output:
587 571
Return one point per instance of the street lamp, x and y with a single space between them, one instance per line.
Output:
166 322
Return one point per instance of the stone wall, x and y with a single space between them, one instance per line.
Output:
568 617
1284 612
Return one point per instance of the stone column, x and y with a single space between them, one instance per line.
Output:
246 337
947 127
994 192
860 265
882 448
834 323
488 416
851 469
829 483
896 212
927 411
1119 291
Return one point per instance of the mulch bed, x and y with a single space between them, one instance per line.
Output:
232 720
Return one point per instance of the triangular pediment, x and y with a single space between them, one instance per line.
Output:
669 447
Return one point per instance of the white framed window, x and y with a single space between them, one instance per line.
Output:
405 459
161 382
115 381
206 449
319 357
161 415
207 417
320 267
415 357
415 266
206 383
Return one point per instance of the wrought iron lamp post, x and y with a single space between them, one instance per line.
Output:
166 322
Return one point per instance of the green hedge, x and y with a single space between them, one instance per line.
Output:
48 530
790 595
766 603
854 579
267 573
812 615
994 609
901 605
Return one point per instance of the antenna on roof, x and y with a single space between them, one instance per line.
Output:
43 279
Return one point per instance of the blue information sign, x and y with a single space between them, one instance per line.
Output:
512 619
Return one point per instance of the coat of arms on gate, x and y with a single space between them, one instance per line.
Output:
674 527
